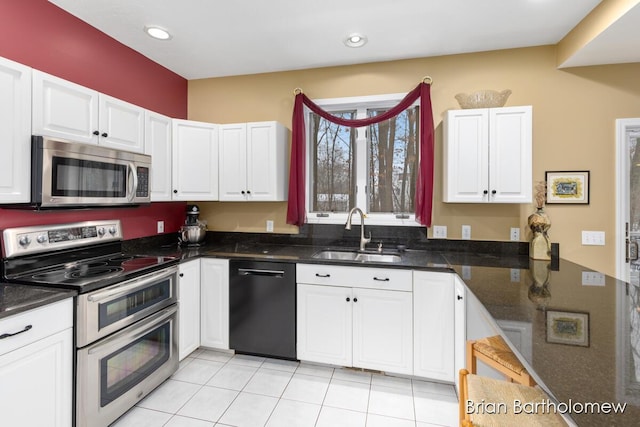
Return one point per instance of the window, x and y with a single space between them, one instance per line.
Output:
373 167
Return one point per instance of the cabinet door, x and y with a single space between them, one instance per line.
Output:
382 330
214 303
266 161
233 162
466 137
64 109
324 324
15 132
460 326
434 327
121 124
157 143
189 307
195 160
37 382
510 156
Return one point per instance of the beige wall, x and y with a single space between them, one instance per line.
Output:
574 112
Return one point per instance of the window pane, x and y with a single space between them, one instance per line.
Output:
393 160
332 164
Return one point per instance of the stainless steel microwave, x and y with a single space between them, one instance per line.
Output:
70 174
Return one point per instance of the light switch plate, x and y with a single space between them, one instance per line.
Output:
466 232
269 226
592 278
593 238
160 226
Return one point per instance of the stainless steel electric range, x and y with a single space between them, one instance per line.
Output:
125 325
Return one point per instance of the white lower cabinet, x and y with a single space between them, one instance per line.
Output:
341 324
188 307
434 325
36 367
382 330
214 303
324 319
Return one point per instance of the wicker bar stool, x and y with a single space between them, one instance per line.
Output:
496 353
477 393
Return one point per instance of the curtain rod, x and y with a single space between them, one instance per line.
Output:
426 79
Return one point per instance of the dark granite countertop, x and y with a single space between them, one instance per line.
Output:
16 299
597 359
595 363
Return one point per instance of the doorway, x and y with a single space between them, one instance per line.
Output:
628 199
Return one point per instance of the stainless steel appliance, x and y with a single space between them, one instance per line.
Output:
262 312
193 232
126 311
66 174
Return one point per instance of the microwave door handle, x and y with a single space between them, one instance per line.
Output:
134 173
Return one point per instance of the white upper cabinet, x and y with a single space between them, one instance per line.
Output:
15 132
488 155
70 111
64 109
253 162
121 124
195 160
157 143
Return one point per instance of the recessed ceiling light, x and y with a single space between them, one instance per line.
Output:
355 40
157 32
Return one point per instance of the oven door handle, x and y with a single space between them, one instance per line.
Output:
131 285
137 330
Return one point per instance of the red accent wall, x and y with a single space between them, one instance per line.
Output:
41 35
137 221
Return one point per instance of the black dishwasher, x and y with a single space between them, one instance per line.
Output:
262 308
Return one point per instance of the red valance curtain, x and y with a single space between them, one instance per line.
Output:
424 189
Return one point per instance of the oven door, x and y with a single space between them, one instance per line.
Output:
118 371
104 311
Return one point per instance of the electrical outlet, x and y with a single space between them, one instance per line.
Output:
515 275
514 234
466 232
593 238
439 231
160 226
269 226
592 278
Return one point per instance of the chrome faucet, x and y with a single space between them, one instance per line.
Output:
363 240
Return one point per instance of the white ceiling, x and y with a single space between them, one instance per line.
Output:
235 37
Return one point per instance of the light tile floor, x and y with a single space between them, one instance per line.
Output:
220 389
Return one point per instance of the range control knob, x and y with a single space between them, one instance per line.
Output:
101 231
41 238
24 240
112 230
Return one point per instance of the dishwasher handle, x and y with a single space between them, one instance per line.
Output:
259 272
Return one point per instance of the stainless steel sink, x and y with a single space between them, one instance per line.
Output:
378 258
355 256
340 255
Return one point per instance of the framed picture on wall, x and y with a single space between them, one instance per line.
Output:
570 187
565 327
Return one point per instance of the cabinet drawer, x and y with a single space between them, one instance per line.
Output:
354 277
44 321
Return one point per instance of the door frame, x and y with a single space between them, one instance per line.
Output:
622 193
